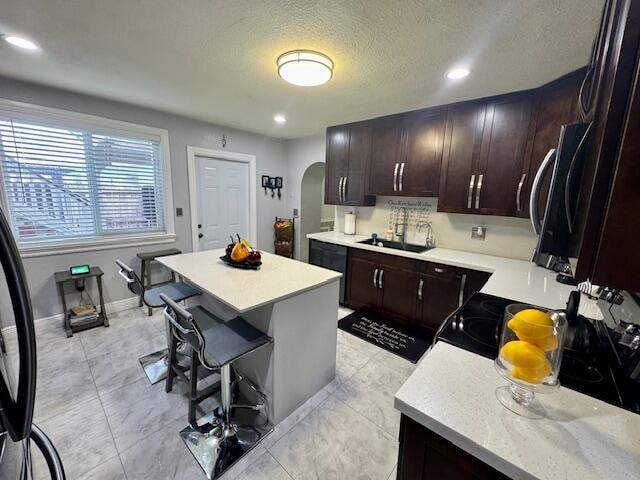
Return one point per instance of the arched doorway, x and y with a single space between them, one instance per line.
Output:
315 216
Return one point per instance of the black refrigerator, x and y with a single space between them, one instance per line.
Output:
24 448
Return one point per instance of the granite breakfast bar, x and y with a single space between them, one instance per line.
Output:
293 302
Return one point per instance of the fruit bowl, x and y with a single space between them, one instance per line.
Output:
529 357
243 265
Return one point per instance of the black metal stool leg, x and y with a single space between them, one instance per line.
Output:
172 364
193 388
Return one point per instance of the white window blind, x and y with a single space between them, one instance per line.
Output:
66 183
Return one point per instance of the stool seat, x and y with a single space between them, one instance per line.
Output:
158 253
176 291
226 341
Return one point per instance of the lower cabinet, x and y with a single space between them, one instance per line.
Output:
414 292
425 455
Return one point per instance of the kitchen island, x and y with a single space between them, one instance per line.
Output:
293 302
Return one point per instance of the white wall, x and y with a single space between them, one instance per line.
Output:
311 205
271 160
301 154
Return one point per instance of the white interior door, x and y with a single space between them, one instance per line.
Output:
223 201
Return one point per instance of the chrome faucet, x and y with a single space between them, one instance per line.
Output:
429 241
402 234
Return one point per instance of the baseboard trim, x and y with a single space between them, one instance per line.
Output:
111 307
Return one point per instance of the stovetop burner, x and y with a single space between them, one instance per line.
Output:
477 325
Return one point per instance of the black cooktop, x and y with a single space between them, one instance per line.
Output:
477 325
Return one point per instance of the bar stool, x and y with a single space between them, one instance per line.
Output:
146 258
217 345
155 364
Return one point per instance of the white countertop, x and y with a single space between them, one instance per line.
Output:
244 290
452 393
514 279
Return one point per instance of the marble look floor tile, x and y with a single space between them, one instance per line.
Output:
288 423
265 468
82 437
109 470
161 456
120 339
348 361
396 362
139 409
59 352
363 347
49 329
343 312
370 392
336 442
61 388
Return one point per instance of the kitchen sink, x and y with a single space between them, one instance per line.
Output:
396 245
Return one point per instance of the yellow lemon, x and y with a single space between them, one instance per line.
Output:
548 343
532 375
531 323
523 354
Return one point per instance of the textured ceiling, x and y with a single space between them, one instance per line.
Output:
215 60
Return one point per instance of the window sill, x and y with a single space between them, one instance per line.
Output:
41 250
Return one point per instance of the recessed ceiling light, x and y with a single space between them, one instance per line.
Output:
280 119
458 73
305 68
20 42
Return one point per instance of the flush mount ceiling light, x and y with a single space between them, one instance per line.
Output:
280 119
305 68
458 73
20 42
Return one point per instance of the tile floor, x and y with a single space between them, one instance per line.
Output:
109 423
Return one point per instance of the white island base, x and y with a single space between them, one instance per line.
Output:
296 304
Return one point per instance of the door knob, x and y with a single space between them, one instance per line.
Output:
199 225
200 235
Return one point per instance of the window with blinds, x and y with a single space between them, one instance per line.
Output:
67 183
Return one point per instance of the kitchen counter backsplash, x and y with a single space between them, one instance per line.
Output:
505 236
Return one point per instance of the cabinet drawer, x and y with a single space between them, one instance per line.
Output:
385 259
439 270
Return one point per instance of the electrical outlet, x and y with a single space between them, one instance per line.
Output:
478 233
178 212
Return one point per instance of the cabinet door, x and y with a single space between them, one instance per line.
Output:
463 138
336 168
399 287
385 155
555 105
362 285
423 139
504 143
440 297
355 184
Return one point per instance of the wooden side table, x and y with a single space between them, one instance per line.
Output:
63 277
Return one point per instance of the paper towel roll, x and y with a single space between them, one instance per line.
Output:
350 224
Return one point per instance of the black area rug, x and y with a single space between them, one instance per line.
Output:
385 333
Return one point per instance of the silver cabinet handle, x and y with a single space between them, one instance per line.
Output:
342 181
344 189
479 190
420 285
340 189
395 178
536 186
463 283
439 270
380 279
518 202
471 183
401 176
375 278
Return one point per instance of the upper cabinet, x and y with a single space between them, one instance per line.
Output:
460 161
406 153
347 164
478 156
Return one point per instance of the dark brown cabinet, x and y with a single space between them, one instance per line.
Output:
406 154
462 143
425 455
419 293
382 283
484 154
347 165
440 293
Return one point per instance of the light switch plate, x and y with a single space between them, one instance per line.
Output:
478 233
295 212
178 212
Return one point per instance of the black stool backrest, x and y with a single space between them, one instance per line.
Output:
182 325
133 281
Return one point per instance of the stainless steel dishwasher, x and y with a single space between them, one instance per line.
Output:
333 257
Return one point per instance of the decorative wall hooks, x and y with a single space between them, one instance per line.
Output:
273 184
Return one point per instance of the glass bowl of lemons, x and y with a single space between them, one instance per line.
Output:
529 357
